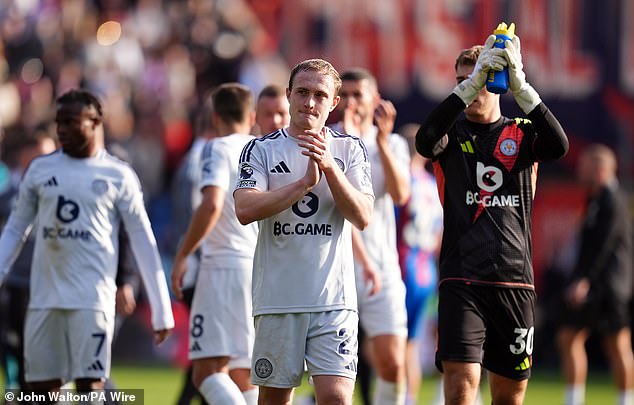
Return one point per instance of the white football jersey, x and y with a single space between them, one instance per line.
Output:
229 238
303 259
78 205
380 236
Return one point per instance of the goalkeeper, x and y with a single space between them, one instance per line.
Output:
486 168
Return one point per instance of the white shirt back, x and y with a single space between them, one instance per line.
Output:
303 259
229 238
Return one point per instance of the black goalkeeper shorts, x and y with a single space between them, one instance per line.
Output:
489 325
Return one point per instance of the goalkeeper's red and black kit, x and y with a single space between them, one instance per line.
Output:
486 176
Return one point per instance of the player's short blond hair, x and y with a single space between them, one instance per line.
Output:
316 65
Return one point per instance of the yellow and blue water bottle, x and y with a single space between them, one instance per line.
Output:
498 82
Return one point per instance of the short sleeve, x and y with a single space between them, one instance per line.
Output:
216 167
359 173
252 172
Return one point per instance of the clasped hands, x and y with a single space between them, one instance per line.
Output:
315 146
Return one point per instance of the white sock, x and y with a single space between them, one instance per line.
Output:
626 397
478 400
439 398
219 389
388 393
251 396
575 394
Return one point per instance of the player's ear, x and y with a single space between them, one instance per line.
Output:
335 102
376 99
251 118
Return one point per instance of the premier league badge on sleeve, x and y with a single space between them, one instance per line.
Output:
367 178
246 176
246 171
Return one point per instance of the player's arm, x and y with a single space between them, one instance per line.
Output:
355 205
127 276
252 197
137 224
396 179
597 245
595 250
202 222
370 274
13 237
431 137
253 205
551 142
18 225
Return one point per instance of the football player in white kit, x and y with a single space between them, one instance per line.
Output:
79 196
221 324
383 315
306 185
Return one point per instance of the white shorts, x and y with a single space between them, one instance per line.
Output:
67 344
220 320
383 313
325 341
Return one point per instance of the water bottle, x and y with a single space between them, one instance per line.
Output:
498 82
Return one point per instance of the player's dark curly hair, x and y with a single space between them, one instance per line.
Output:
81 96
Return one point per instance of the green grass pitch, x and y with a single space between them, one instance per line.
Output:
161 386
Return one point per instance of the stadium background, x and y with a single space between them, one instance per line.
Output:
152 62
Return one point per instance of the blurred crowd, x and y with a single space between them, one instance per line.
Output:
151 62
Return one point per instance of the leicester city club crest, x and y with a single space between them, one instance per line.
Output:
99 186
508 147
263 368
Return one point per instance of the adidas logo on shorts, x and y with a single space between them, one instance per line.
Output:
96 366
524 365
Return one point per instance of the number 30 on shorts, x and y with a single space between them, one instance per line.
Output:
523 341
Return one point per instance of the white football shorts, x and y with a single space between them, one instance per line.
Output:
67 344
220 320
383 313
325 341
